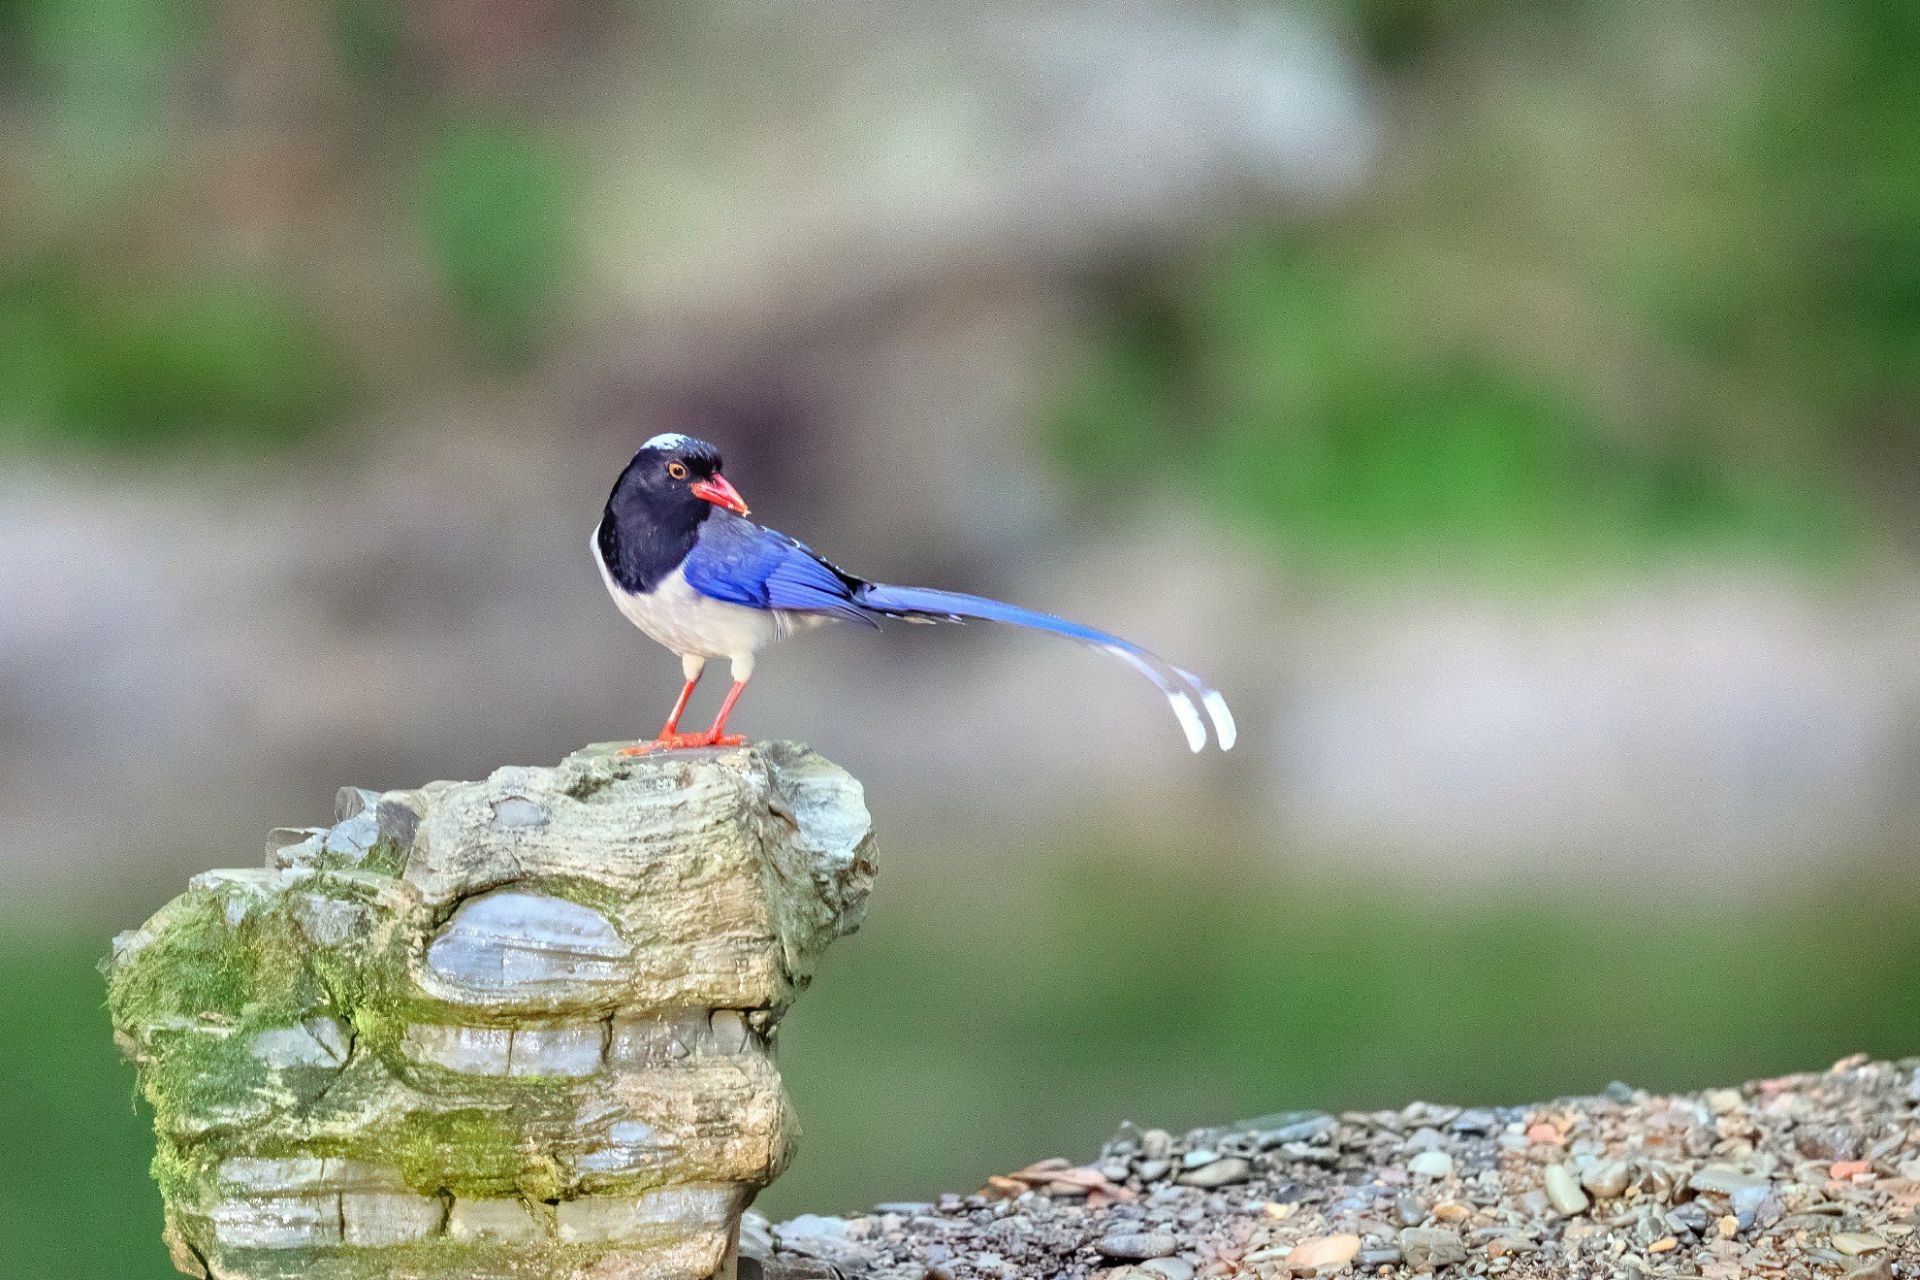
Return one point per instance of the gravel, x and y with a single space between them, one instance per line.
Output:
1802 1177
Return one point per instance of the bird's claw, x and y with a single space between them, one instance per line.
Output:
683 742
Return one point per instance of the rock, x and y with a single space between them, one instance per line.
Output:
1312 1127
1563 1191
1168 1269
1431 1164
1607 1179
1220 1173
351 840
1828 1142
1135 1246
524 947
1156 1144
1424 1247
809 1227
1854 1243
317 1042
330 922
282 1222
293 846
1198 1157
1425 1138
1687 1219
495 1221
1323 1251
1369 1259
1478 1121
1152 1170
575 1049
387 1218
1726 1179
494 1029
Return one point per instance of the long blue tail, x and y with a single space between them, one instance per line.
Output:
1185 692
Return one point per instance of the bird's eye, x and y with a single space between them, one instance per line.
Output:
678 470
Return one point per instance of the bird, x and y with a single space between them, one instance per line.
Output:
686 566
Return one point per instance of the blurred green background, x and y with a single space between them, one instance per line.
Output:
1512 406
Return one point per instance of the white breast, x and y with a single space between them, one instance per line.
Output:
687 622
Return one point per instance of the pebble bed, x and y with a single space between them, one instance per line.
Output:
1802 1176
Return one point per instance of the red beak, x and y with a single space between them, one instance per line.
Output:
721 494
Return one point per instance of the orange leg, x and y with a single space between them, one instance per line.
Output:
716 736
671 739
670 735
672 725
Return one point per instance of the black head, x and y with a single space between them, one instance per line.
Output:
657 505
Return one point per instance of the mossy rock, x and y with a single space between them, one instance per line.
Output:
510 1028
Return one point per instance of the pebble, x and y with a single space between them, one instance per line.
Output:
1323 1251
1855 1243
1607 1179
1828 1142
1305 1130
1586 1186
1563 1191
1310 1154
1220 1173
1725 1179
1135 1246
1431 1247
1690 1217
1477 1121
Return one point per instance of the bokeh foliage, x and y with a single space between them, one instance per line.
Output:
1611 298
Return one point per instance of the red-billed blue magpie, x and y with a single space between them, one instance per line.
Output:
686 566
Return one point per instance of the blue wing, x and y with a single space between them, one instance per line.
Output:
745 563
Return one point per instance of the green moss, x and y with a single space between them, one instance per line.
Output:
608 901
470 1152
179 1175
387 858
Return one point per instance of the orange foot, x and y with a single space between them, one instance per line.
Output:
684 741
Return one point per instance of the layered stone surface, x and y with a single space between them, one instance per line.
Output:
511 1028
